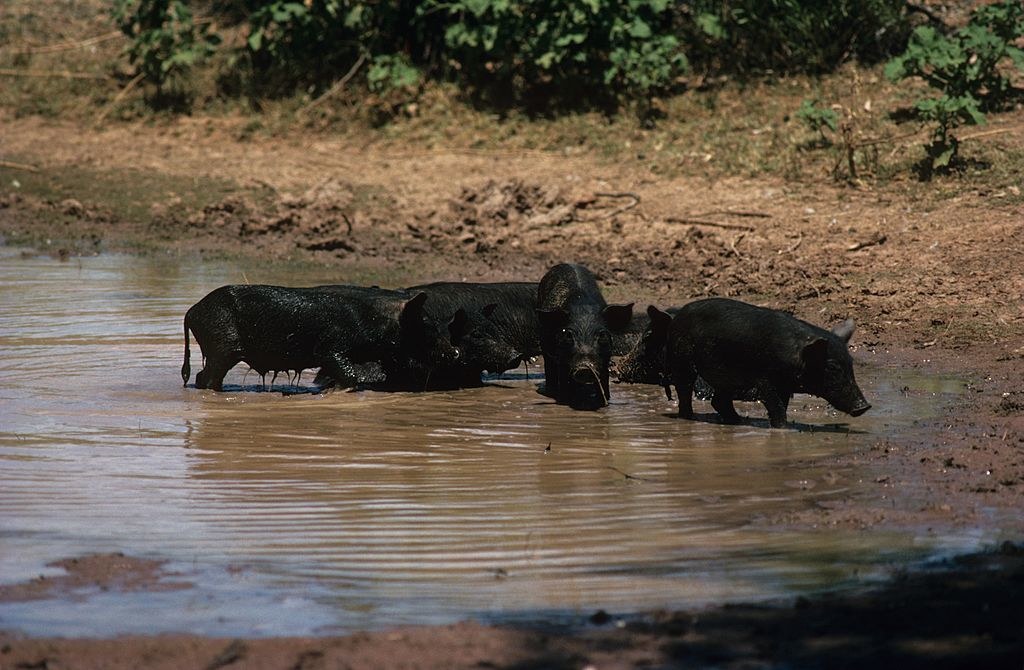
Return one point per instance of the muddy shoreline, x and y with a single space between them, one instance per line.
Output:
922 299
958 613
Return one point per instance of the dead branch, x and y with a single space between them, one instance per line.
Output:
929 14
860 144
624 194
703 222
67 46
732 245
733 212
18 166
55 74
793 247
118 98
267 185
337 86
619 210
986 133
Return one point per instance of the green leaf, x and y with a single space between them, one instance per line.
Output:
640 29
711 26
943 158
477 7
546 60
896 69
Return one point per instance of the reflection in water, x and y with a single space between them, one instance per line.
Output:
296 513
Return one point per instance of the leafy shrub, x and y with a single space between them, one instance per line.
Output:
287 43
818 118
578 45
165 41
792 35
310 44
966 68
505 52
392 72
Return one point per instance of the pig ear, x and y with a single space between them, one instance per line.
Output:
489 309
844 331
659 319
413 308
552 318
617 317
457 326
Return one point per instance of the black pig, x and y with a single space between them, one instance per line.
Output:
576 326
358 335
495 327
644 361
737 346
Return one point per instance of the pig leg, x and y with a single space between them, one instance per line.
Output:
722 402
774 402
212 375
683 377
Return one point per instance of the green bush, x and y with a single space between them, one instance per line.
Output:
308 45
966 68
530 52
580 46
807 36
165 41
818 119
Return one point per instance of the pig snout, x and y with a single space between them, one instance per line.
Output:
853 403
861 408
585 374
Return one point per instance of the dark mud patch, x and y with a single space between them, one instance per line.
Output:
91 573
961 613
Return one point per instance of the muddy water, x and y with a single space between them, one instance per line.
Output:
294 512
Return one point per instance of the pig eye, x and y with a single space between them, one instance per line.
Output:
457 353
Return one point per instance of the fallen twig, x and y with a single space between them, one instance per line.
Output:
733 212
732 245
68 46
18 166
874 240
118 98
793 247
929 14
618 210
986 133
56 74
703 222
625 474
337 86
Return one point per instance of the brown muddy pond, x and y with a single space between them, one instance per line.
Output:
305 513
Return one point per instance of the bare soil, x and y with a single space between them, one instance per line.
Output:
930 272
